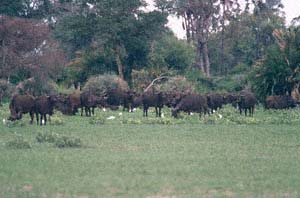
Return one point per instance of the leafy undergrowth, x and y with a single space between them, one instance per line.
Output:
18 142
229 115
61 141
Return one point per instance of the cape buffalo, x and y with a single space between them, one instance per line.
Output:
21 104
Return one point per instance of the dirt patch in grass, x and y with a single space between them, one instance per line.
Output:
82 196
161 196
59 195
228 193
165 193
27 188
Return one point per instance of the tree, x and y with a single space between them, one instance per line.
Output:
26 8
172 53
279 72
266 18
26 49
200 18
117 27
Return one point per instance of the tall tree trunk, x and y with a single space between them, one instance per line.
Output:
199 58
120 66
221 66
206 59
186 27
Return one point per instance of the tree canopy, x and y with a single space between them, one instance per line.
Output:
69 41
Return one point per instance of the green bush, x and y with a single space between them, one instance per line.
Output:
65 142
131 121
47 137
142 78
201 83
61 141
97 120
101 83
36 87
18 143
176 83
57 119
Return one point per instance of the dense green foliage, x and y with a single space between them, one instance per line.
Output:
278 72
233 44
119 28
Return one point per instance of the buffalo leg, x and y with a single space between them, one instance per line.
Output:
93 111
251 111
31 117
86 111
19 115
41 121
81 111
37 118
145 112
89 111
45 119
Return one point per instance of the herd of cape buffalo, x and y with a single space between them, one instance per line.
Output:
44 105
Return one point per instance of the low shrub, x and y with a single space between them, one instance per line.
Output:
36 86
47 137
57 119
101 83
131 121
16 123
65 142
97 120
18 142
60 141
176 83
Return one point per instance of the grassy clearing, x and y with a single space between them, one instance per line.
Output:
131 156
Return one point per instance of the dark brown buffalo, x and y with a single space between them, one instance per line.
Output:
90 101
215 101
127 100
231 98
68 104
63 105
117 97
44 105
21 104
246 101
191 103
137 101
153 99
74 102
173 98
280 102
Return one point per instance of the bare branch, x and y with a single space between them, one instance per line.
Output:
156 79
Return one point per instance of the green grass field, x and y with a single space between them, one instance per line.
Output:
224 155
